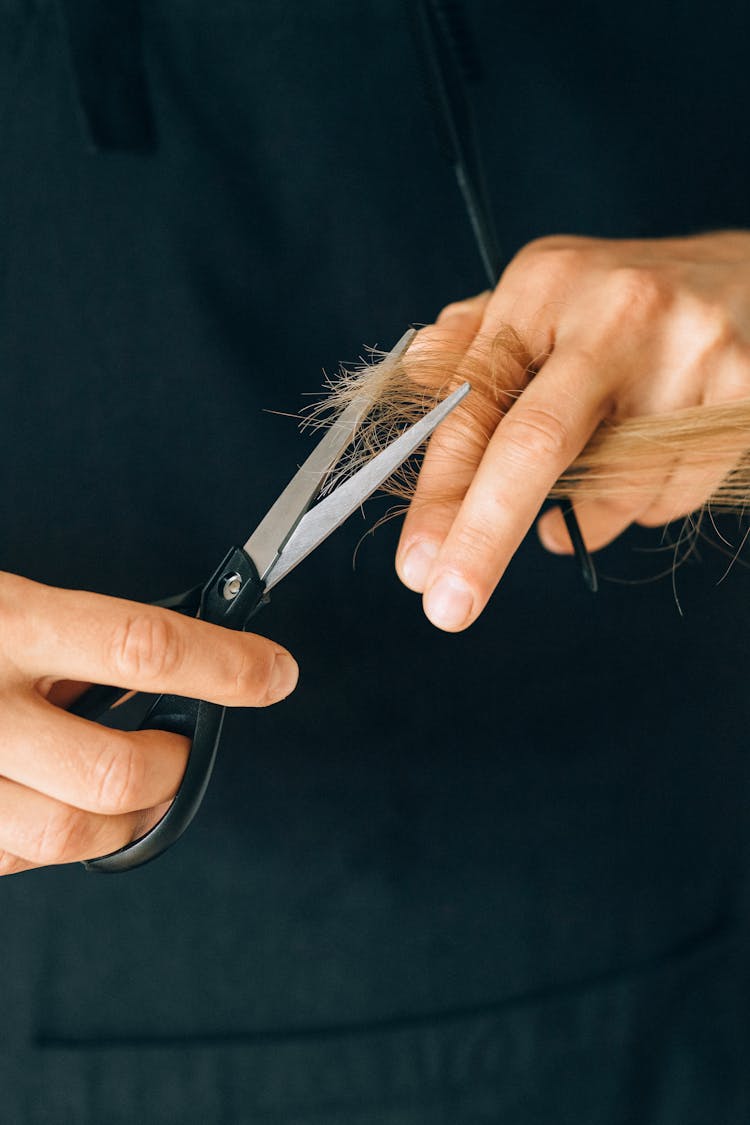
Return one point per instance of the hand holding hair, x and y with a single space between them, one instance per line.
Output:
69 788
650 339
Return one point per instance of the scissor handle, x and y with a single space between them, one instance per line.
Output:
230 598
170 713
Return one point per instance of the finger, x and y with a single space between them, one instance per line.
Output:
69 634
516 334
674 495
453 330
86 765
41 831
437 349
492 364
659 492
462 318
535 441
697 477
600 521
455 450
689 487
448 466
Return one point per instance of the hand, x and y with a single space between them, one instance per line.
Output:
71 789
609 330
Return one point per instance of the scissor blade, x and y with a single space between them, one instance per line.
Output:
331 512
273 531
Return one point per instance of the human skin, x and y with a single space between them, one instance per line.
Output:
71 789
622 329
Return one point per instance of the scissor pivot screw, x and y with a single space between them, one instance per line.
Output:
232 586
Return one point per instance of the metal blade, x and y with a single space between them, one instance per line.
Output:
331 512
267 541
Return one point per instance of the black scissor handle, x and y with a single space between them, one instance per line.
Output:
230 597
203 722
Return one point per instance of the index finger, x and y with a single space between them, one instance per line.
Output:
535 441
76 635
497 364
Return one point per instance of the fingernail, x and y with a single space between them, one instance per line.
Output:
551 531
417 564
448 602
283 677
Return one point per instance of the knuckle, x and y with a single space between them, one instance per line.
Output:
60 838
635 292
534 434
535 247
549 243
454 309
117 780
561 253
717 328
250 678
145 647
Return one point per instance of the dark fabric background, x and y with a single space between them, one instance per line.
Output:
495 877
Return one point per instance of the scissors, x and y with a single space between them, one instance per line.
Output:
240 585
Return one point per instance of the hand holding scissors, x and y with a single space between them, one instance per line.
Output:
240 585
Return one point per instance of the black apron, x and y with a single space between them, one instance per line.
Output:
494 877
